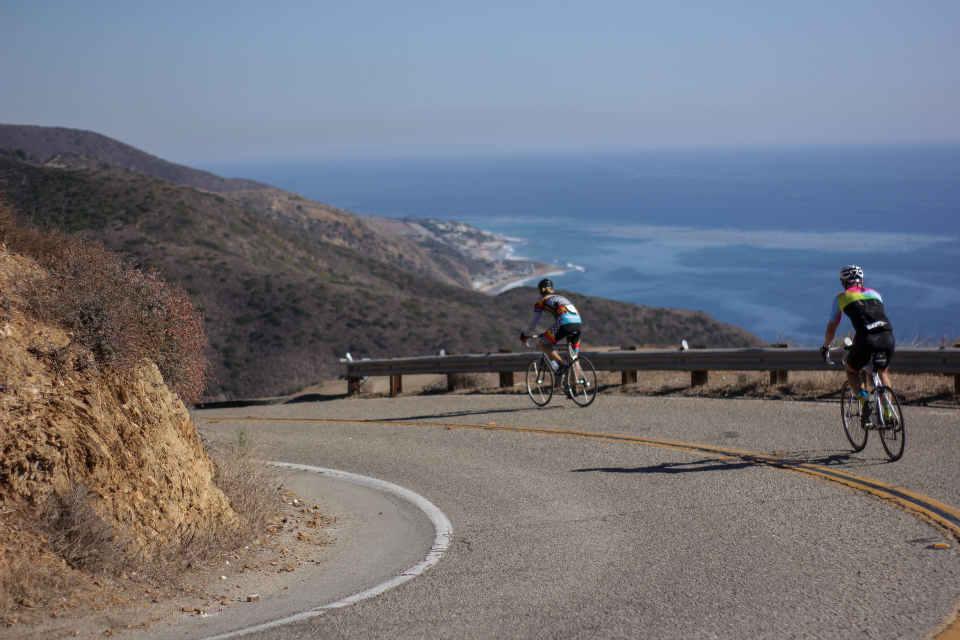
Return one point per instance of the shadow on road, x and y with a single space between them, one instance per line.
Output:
833 458
678 467
315 397
827 459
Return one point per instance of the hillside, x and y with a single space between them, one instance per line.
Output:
45 144
282 305
75 149
345 229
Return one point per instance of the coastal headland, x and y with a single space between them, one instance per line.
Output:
487 256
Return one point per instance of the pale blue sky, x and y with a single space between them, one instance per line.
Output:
223 81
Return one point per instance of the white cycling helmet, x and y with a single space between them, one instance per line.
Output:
851 273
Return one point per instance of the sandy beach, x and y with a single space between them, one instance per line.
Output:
513 283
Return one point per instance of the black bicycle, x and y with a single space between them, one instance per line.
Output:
881 412
578 380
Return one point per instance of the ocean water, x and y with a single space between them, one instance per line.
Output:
754 238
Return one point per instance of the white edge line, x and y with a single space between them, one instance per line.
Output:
444 534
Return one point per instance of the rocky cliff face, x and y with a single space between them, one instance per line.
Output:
132 443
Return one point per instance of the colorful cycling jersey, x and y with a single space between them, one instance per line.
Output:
864 307
559 307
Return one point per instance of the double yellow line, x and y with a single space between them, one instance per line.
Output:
930 510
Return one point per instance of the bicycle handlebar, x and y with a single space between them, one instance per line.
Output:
526 342
827 359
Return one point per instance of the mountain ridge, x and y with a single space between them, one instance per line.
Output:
286 291
44 144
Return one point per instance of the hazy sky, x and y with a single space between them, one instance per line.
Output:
214 81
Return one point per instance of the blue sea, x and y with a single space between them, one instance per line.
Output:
754 238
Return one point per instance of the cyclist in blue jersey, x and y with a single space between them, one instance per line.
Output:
566 324
874 333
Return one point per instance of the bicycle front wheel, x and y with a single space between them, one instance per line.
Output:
582 382
890 424
850 414
540 382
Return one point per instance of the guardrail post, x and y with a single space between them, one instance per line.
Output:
778 377
396 386
506 377
628 377
450 376
956 385
353 386
699 378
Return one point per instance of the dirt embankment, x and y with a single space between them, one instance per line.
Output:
130 442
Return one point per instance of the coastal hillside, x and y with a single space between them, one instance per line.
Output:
342 228
282 305
74 147
60 148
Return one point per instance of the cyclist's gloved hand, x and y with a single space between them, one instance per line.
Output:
823 352
523 338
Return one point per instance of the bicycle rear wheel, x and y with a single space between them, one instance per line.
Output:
850 414
582 382
539 382
890 427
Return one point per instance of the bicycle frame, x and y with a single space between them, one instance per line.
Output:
881 412
574 381
569 360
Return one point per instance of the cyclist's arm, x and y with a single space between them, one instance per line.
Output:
830 333
533 323
832 322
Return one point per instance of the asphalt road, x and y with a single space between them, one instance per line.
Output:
563 537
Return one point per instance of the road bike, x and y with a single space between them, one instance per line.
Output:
859 422
578 380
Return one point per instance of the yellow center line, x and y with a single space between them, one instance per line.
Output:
931 510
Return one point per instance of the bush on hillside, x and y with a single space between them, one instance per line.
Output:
116 313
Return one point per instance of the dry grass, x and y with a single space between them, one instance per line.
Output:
70 528
917 389
30 585
252 487
253 490
914 389
114 311
462 382
76 532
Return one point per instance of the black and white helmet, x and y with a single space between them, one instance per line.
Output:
851 273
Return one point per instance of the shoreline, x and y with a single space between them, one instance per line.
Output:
505 270
513 283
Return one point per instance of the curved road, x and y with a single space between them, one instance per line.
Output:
561 537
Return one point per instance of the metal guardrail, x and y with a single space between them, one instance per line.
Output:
945 361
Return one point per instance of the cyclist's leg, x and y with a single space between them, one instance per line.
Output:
548 343
853 377
884 341
569 331
885 378
858 356
572 331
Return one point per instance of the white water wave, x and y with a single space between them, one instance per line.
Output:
802 240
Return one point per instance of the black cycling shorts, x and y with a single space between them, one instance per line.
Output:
570 331
866 344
